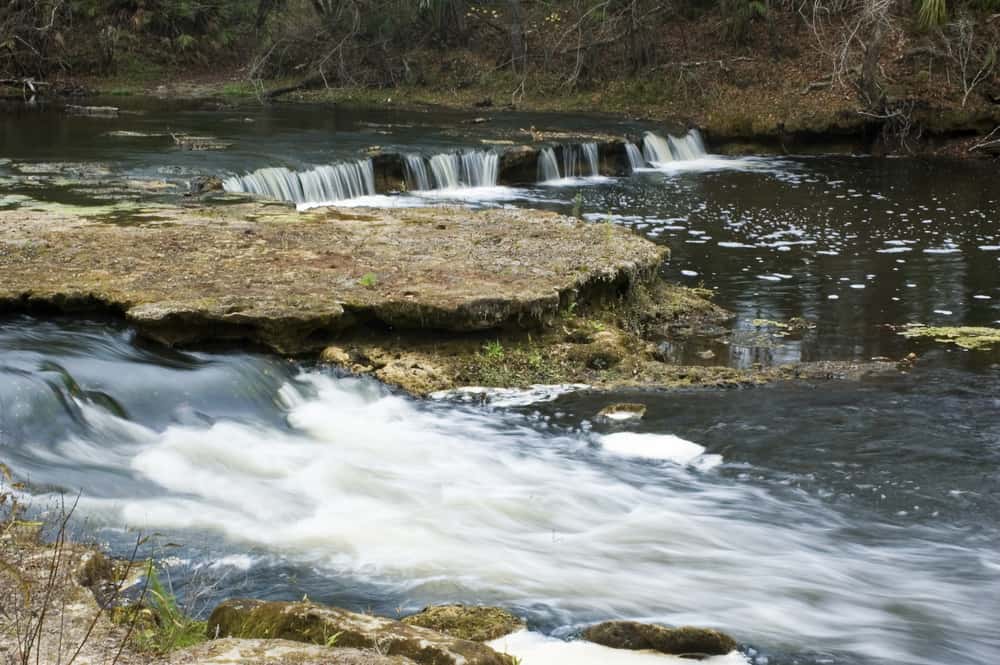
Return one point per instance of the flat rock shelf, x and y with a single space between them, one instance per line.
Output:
262 273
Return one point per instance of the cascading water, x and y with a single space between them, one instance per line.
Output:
417 178
548 167
656 149
347 180
689 146
571 159
635 159
411 502
578 160
591 157
659 150
467 169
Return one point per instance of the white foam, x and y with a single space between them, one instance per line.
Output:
536 649
509 397
652 446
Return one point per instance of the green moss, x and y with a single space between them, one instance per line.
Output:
974 338
476 624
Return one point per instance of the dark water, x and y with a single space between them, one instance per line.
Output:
851 522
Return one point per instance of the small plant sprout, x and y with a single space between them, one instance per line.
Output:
493 350
369 280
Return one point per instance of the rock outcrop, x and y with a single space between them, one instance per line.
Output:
261 273
317 624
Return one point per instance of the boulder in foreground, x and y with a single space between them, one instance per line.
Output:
683 641
317 624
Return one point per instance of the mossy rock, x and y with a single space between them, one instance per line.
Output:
466 622
683 641
318 624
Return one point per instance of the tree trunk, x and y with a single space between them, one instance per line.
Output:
518 47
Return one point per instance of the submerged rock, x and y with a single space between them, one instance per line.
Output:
683 641
467 622
317 624
972 338
623 411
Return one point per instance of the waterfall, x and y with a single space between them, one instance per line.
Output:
658 150
689 146
468 169
417 178
655 149
635 159
347 180
571 157
577 160
548 167
590 156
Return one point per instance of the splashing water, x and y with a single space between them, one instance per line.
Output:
438 501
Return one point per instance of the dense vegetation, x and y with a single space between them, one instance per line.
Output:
886 55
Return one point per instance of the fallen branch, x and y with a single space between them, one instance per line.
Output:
27 83
818 85
702 63
308 83
989 144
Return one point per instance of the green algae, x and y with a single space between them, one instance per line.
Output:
973 338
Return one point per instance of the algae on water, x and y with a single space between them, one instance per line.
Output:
974 338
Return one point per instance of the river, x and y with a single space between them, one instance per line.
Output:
853 522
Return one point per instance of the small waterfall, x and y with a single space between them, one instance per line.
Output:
548 167
571 157
658 150
590 156
578 160
635 159
689 146
655 149
417 178
347 180
467 169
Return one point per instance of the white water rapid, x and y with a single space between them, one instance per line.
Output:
442 500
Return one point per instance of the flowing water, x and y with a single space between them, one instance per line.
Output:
836 522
